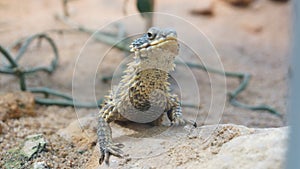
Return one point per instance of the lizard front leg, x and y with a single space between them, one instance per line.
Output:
107 146
174 111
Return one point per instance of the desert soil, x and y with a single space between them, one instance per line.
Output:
253 39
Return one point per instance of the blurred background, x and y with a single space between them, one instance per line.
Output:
250 36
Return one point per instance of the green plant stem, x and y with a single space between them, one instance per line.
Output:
46 91
15 69
244 78
110 39
7 55
62 102
24 46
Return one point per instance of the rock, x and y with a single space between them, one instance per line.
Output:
239 2
204 7
16 105
31 146
81 132
265 148
213 146
221 135
40 165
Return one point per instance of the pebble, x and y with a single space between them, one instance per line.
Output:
33 144
252 27
239 2
21 155
40 165
204 7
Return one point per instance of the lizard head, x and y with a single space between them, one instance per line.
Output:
157 48
155 37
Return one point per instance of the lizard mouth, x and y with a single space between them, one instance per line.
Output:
154 44
162 40
160 43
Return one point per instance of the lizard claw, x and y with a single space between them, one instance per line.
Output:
110 149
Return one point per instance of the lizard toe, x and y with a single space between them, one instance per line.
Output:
178 122
111 149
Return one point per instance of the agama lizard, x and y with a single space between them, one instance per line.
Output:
143 94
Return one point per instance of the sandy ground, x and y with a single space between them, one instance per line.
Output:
253 39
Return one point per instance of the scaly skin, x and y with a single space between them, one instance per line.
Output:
143 94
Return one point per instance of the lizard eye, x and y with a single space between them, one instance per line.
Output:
151 35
